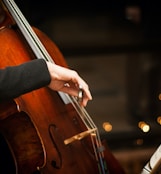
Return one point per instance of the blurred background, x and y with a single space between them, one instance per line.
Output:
115 47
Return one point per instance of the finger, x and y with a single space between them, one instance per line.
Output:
84 102
76 93
84 88
69 90
79 89
80 94
77 81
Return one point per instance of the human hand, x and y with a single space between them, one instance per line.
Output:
68 81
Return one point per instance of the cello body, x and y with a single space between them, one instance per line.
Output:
35 125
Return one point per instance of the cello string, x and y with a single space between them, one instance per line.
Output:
30 36
96 141
88 122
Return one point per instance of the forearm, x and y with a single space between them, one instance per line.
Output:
17 80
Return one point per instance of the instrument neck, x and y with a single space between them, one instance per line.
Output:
27 31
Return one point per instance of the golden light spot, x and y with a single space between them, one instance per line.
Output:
107 126
159 96
144 126
159 120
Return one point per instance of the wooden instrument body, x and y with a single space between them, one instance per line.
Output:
36 124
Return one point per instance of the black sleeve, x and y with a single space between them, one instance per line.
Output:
18 80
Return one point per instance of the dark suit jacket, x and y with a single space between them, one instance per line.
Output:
24 78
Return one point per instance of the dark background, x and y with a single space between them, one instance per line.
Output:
127 29
135 34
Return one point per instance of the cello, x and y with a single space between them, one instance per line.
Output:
46 132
